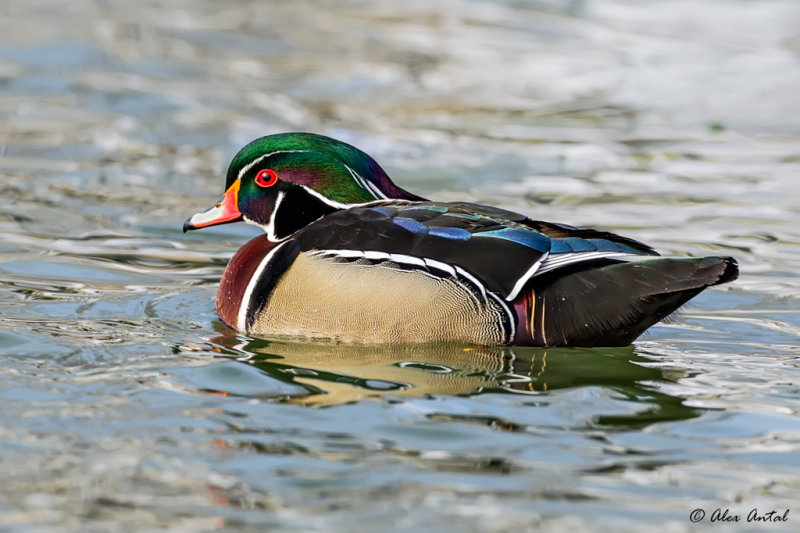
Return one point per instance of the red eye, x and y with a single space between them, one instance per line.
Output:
266 178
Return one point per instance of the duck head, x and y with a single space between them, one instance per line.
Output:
286 181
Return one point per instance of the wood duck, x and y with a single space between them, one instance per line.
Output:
350 256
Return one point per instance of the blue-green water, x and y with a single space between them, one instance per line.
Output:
126 405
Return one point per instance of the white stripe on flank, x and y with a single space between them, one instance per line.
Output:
441 266
404 260
550 262
555 261
244 306
511 318
464 274
524 278
453 271
407 259
376 255
340 253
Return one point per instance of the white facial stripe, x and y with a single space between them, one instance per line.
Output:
271 234
244 306
269 228
357 177
332 203
363 182
245 169
366 184
340 205
376 191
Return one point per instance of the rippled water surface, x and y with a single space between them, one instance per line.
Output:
126 404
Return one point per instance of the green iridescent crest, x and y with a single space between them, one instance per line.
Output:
315 170
332 168
300 142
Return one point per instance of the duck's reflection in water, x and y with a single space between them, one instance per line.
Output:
335 373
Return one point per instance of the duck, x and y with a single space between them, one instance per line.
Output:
349 256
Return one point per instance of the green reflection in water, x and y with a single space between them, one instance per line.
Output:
334 374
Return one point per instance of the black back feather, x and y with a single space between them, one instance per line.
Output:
497 246
612 304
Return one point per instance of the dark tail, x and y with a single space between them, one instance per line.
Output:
612 304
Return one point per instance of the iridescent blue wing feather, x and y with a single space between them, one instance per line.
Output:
501 248
438 232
